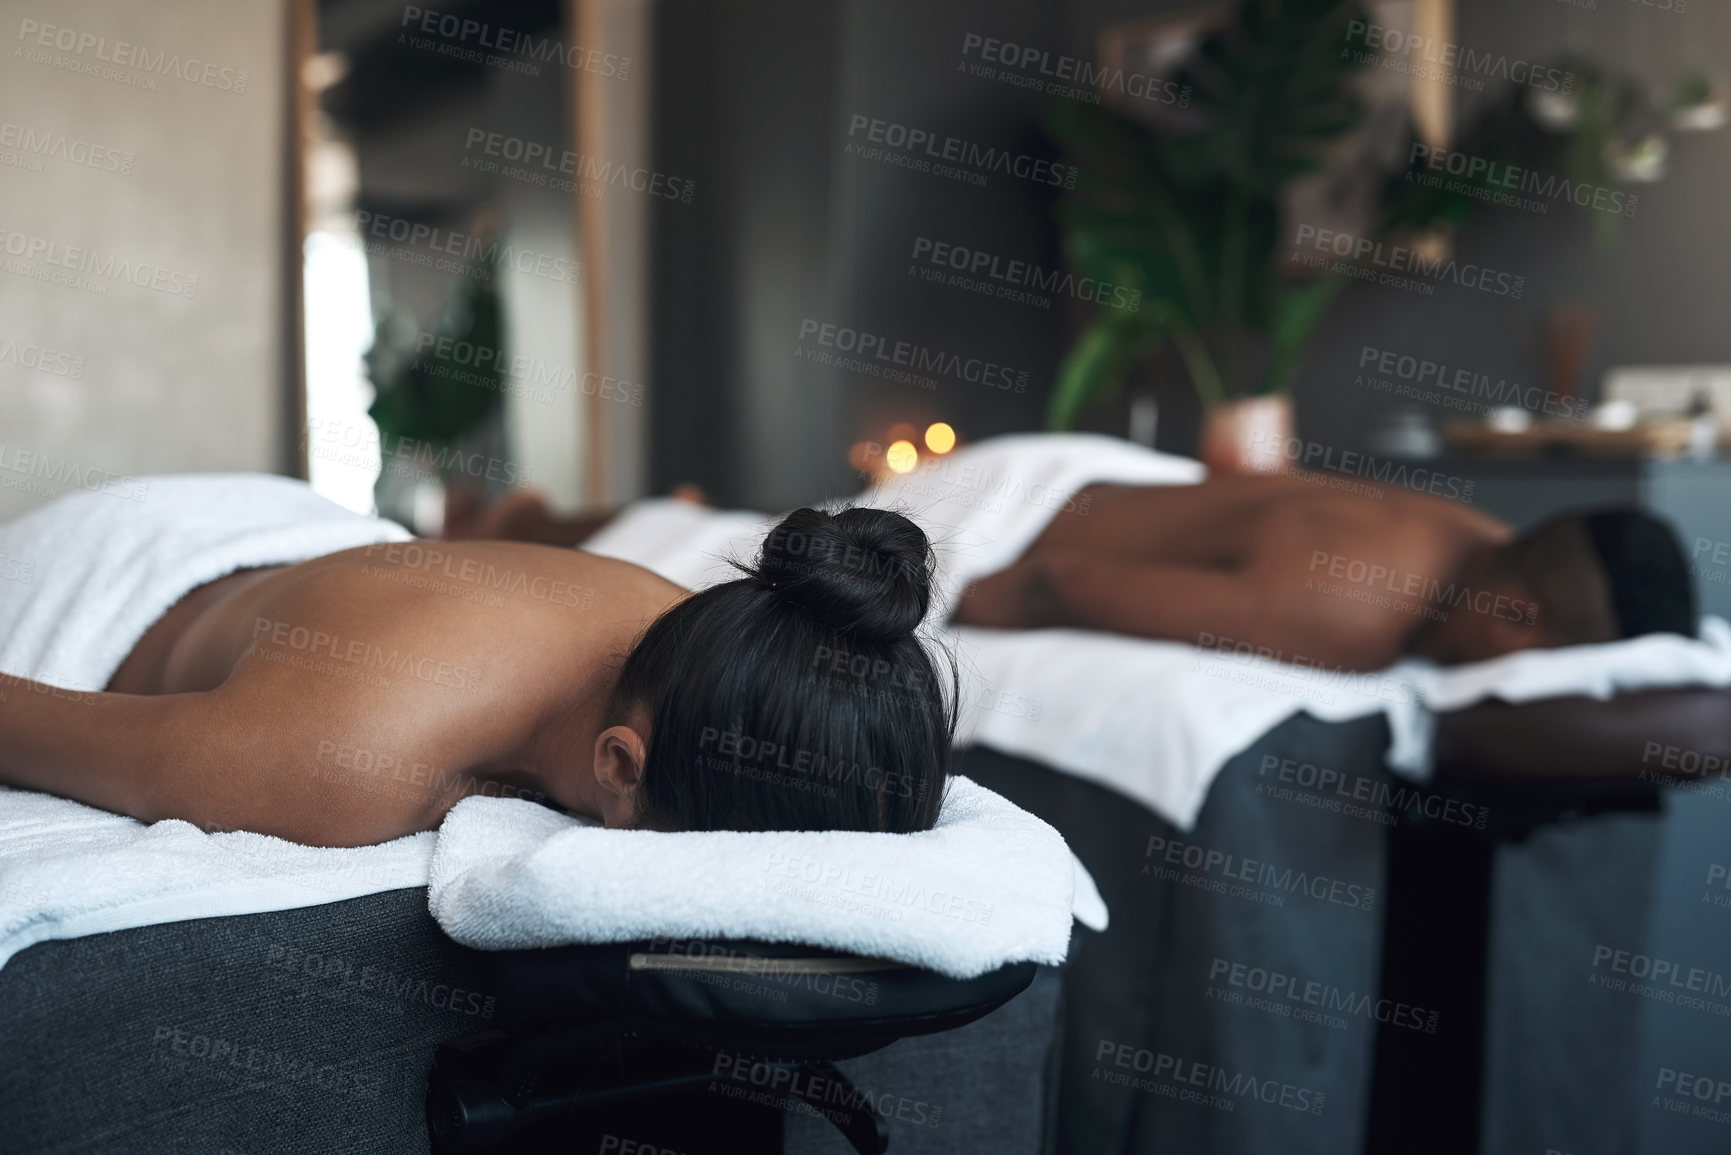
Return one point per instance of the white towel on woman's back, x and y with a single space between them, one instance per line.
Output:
92 570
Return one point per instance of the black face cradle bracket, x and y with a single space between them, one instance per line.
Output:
732 1031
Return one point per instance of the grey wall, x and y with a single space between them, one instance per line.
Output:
165 381
1659 287
743 106
756 102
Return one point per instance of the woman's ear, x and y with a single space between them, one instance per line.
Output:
620 755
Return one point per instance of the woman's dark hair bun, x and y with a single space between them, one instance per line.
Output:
865 572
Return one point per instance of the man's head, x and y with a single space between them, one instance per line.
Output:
1579 579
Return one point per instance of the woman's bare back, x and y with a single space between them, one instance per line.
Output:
351 698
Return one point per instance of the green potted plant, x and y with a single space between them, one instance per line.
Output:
1190 214
1193 219
439 396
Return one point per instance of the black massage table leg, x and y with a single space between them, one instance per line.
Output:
692 1122
1426 1088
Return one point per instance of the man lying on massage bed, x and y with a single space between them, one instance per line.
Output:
1266 560
1337 578
216 714
1307 572
1313 575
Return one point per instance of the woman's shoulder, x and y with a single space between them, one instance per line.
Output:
495 571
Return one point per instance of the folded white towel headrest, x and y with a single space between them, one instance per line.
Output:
989 884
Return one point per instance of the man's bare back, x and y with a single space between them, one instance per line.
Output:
461 666
1288 564
1284 562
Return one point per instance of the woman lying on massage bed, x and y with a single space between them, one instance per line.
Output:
220 711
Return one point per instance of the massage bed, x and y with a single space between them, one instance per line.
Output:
553 984
256 1033
1144 982
167 988
1544 848
1479 941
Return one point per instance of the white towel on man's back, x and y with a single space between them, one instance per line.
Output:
982 507
990 884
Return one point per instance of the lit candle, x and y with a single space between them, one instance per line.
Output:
902 456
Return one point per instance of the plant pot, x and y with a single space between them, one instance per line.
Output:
1247 435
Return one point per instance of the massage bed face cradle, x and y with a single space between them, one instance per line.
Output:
606 1039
